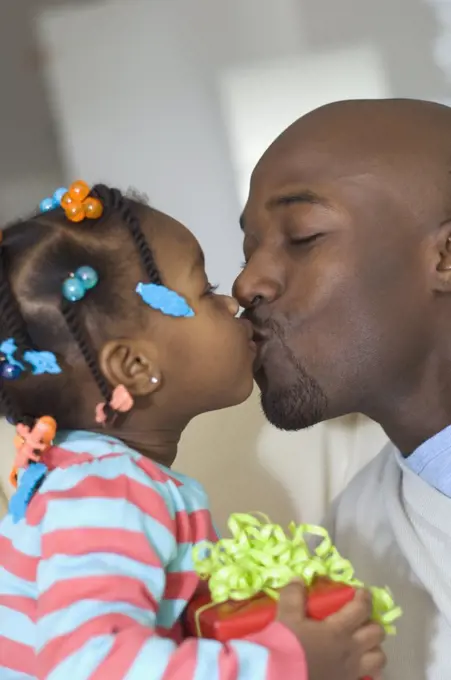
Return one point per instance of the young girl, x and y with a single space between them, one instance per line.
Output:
111 330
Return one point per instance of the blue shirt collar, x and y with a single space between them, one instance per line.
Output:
432 461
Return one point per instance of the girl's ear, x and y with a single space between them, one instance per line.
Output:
132 363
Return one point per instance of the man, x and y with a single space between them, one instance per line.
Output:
347 241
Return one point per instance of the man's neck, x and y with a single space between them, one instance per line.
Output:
414 417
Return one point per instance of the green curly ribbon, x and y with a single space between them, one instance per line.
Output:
261 558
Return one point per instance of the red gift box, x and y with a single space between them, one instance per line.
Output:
237 619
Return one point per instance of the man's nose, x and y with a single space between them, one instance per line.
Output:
252 287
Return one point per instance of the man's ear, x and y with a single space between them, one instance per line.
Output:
443 260
132 363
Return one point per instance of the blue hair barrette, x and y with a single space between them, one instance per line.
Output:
41 362
29 483
77 285
164 300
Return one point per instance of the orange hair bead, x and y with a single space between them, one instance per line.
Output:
79 190
75 212
67 201
93 208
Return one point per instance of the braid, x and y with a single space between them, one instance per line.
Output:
13 323
10 314
79 334
114 199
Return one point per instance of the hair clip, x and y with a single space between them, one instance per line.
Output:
11 368
75 201
42 362
121 402
79 205
77 285
164 300
30 482
31 443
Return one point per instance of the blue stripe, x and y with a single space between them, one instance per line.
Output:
16 626
108 513
13 585
169 612
70 618
183 498
62 567
81 441
152 660
85 660
207 665
8 674
26 541
252 659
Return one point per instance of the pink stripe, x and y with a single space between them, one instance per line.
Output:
101 588
17 657
155 472
122 655
59 648
19 603
75 542
17 563
286 658
228 664
182 665
56 457
180 585
143 497
194 527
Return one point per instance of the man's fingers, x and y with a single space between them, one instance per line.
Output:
369 637
355 614
372 664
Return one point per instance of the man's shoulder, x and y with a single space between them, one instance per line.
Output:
364 493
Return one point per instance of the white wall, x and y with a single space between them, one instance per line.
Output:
152 99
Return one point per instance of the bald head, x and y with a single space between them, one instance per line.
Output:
347 238
402 143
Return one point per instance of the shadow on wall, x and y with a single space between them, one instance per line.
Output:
247 465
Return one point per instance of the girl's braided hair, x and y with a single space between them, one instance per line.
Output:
36 256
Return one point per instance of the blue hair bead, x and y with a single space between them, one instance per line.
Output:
88 276
58 195
10 371
73 289
46 204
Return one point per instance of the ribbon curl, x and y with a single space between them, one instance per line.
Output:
261 558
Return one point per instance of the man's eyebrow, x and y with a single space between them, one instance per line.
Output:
304 196
291 198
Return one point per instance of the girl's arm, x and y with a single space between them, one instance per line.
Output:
106 538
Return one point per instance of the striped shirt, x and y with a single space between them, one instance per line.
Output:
94 580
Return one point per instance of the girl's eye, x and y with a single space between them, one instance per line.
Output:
211 289
244 264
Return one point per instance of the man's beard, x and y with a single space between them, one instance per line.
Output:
297 405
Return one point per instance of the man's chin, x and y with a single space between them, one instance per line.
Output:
295 407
